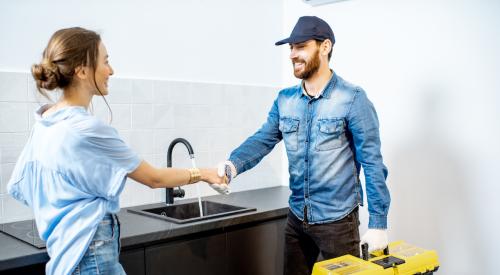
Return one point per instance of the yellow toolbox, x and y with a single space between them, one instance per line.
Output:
400 258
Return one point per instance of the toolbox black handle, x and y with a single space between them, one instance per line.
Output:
386 250
364 251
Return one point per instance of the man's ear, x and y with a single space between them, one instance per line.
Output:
82 72
326 47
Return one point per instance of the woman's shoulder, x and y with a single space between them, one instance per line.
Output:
88 125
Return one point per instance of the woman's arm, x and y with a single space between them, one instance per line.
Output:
170 177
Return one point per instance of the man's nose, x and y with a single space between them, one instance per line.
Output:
293 53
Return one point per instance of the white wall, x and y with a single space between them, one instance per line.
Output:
209 41
431 68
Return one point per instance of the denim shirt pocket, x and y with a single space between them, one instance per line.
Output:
330 134
289 127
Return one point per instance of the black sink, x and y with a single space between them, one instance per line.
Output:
190 212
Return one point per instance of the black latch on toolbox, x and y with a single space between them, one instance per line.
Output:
389 261
386 262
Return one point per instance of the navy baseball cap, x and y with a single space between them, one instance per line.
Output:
307 28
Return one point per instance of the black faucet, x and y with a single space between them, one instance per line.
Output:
170 193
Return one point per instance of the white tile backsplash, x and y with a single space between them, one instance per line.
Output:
13 87
142 141
2 188
163 116
142 116
162 138
8 140
149 114
13 117
202 116
217 116
161 92
185 116
142 91
206 93
119 90
14 210
1 210
10 155
120 114
32 108
35 96
5 172
178 92
222 139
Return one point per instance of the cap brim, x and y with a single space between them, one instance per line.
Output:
281 42
298 39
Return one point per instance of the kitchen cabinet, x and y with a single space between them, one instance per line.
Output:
249 249
205 255
257 250
36 269
133 261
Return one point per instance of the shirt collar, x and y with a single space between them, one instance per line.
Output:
58 115
326 92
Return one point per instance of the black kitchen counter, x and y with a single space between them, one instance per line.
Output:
141 231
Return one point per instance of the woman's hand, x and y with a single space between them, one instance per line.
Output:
210 175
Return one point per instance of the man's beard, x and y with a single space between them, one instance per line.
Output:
310 67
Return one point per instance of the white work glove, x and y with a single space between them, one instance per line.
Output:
224 169
376 239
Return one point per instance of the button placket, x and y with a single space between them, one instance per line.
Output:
306 157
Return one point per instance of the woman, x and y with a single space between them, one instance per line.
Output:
74 167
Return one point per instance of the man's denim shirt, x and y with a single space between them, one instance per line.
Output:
327 140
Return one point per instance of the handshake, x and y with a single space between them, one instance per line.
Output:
225 173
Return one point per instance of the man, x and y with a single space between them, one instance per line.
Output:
330 131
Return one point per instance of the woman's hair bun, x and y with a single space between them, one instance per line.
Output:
46 75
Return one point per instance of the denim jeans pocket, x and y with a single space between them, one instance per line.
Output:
106 231
289 128
330 134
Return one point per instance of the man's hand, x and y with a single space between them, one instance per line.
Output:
376 239
226 171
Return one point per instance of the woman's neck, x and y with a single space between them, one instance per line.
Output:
75 96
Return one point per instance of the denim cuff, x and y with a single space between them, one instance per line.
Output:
238 165
377 222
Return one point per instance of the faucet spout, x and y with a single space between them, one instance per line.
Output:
171 148
170 193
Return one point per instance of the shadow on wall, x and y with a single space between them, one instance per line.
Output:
431 207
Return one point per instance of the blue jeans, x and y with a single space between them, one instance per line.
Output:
103 253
